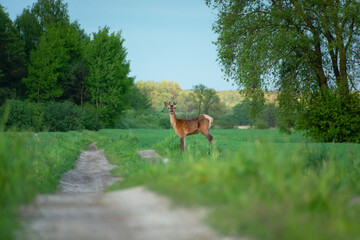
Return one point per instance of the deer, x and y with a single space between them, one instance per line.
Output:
186 127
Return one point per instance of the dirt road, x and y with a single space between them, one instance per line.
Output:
80 210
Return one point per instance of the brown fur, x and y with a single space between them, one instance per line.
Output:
185 127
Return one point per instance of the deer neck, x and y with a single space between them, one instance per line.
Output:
173 119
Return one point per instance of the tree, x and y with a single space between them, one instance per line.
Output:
204 98
33 21
300 47
108 81
241 113
139 100
74 84
51 61
12 58
159 92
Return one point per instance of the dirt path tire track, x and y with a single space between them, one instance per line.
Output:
80 210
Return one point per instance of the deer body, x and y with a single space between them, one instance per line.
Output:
185 127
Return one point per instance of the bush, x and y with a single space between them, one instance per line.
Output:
6 93
241 113
332 118
144 119
269 114
261 124
23 115
63 116
164 122
90 118
224 121
51 116
224 124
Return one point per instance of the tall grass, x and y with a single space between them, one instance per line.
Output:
257 183
31 165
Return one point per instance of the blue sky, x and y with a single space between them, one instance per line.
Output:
165 39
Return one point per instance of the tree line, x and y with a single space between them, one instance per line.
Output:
46 58
199 100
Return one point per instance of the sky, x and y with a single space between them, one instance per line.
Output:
165 39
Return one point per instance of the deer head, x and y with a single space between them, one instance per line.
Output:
171 107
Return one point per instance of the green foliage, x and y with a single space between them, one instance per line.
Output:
90 117
241 113
225 121
299 47
23 115
51 116
63 116
331 118
139 99
230 97
12 56
32 22
269 115
261 124
164 122
45 57
6 93
265 119
58 48
148 118
160 92
108 81
50 11
30 166
204 98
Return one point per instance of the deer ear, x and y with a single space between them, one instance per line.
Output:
174 103
166 104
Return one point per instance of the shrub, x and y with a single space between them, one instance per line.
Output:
63 116
51 116
224 121
164 122
6 93
332 119
23 115
90 118
261 124
224 124
144 119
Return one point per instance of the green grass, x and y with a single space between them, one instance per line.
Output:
257 183
29 166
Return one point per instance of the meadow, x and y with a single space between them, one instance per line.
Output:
257 183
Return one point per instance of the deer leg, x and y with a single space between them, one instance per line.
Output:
182 147
208 136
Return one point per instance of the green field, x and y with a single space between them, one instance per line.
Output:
257 183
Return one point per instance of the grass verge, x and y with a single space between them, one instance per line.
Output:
30 165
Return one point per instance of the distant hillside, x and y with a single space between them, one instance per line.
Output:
233 97
167 90
230 97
